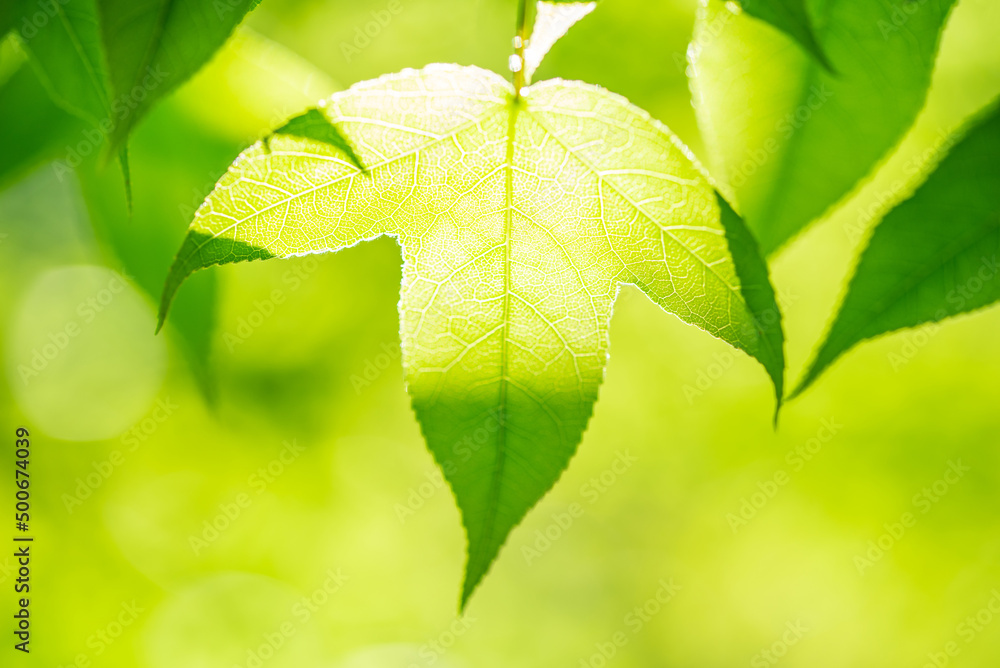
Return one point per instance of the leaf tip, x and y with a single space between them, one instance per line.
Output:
759 295
161 316
476 568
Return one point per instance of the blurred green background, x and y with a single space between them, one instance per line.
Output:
278 507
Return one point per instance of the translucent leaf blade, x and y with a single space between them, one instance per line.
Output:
518 222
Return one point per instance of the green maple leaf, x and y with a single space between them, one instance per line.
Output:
519 218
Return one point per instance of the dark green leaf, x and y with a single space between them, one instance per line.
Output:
109 61
34 130
314 125
757 291
933 256
66 52
152 46
11 15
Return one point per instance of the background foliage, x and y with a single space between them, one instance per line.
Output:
363 497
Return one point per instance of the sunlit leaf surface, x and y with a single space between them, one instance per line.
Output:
518 222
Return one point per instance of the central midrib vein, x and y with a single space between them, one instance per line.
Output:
508 222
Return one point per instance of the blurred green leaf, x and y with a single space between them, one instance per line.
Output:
66 52
34 129
64 45
179 161
933 256
152 46
792 18
787 139
178 171
519 219
109 61
11 13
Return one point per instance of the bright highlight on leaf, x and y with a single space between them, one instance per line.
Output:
934 256
518 220
787 139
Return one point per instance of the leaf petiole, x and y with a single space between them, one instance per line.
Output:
516 61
